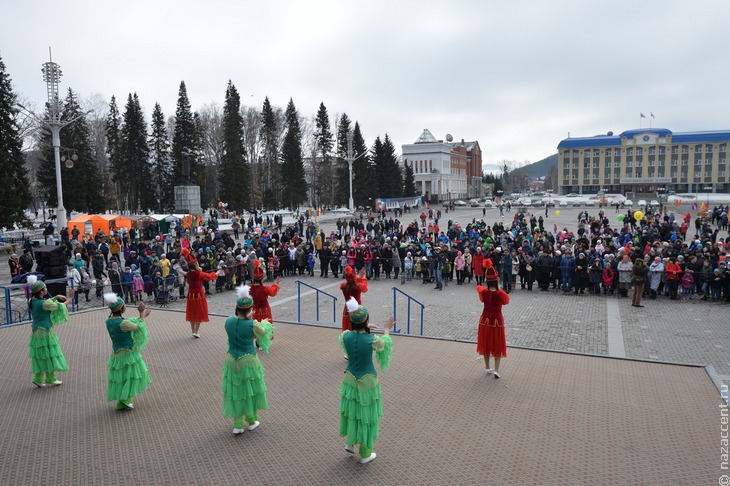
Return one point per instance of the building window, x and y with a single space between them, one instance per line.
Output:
629 164
661 151
698 149
639 151
685 149
723 148
675 149
721 173
651 163
685 161
652 151
629 152
708 149
674 161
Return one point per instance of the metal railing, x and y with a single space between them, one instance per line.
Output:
317 292
396 291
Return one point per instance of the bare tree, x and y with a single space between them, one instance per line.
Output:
211 139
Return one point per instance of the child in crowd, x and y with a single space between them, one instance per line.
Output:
85 283
148 287
310 264
408 264
137 285
688 285
127 281
343 263
608 275
221 280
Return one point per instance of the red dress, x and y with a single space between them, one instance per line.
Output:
491 340
196 309
261 307
362 286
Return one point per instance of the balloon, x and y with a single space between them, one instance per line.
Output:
557 213
638 215
620 217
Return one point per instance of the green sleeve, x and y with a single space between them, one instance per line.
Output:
383 347
139 336
263 331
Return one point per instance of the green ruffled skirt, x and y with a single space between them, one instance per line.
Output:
244 389
45 352
127 376
360 409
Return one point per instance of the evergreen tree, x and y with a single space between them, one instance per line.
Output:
161 162
82 184
114 152
15 193
322 176
140 194
364 188
342 168
409 181
293 183
269 139
185 136
233 174
389 178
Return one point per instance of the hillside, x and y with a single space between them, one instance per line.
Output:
541 167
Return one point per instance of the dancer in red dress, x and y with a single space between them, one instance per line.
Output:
261 294
354 287
196 310
491 340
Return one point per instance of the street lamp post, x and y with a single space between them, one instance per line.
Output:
708 189
350 160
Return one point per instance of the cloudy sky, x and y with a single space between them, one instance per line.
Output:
517 76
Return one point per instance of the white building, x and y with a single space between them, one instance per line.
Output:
439 169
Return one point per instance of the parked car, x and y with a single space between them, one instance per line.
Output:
474 203
590 202
527 202
563 204
488 203
459 202
641 203
576 203
628 202
572 194
654 203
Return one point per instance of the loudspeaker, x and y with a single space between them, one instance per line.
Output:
49 256
54 272
56 288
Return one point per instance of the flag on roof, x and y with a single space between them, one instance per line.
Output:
651 114
642 115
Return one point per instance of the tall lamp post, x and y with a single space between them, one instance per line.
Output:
351 157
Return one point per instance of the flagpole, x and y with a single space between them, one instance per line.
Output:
650 116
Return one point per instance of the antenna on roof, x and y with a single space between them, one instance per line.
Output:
449 137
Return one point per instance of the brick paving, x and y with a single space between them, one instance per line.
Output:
554 418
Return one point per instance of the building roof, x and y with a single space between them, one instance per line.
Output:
615 140
426 137
467 145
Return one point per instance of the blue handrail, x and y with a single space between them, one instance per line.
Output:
317 292
396 290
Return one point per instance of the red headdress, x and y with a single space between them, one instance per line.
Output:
492 275
189 258
349 274
258 274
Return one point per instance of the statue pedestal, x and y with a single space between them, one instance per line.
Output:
187 200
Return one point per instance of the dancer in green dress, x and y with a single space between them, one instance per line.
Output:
45 351
360 407
244 390
127 376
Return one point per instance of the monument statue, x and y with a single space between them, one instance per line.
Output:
185 165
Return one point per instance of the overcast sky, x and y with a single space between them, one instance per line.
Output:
515 75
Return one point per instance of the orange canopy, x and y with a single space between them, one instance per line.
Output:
88 223
116 222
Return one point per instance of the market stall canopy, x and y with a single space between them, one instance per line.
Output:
89 224
117 221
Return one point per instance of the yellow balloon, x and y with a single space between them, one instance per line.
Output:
557 213
638 215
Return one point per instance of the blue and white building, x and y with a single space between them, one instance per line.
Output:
644 160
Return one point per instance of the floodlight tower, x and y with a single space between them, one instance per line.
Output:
52 76
351 157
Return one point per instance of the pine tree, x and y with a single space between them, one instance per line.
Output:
269 139
82 185
136 158
161 162
322 176
364 187
185 136
389 178
114 152
233 173
294 184
342 169
409 181
15 193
